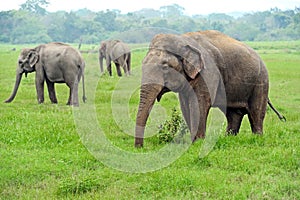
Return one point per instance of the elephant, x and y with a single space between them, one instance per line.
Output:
207 69
118 52
54 63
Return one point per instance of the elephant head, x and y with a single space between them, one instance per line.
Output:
102 49
173 63
102 52
26 64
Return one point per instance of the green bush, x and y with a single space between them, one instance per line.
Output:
172 127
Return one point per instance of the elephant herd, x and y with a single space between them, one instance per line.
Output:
206 68
60 63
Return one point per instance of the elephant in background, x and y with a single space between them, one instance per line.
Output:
53 63
115 51
207 69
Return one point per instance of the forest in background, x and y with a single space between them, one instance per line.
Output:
32 23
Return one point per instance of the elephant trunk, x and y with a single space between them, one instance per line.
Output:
149 93
16 87
101 63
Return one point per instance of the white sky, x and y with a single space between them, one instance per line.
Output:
191 6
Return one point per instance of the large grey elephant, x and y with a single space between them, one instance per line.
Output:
115 51
53 63
207 69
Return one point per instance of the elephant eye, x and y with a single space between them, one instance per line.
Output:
165 68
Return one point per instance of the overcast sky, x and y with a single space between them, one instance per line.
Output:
192 7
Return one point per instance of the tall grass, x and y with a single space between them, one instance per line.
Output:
44 157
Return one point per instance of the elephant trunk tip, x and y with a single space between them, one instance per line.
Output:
10 99
14 92
7 101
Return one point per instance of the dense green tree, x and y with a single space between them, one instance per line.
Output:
6 22
171 11
33 24
35 6
55 23
72 29
28 29
107 19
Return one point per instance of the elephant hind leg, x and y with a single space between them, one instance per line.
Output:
118 69
128 62
256 122
256 118
126 65
234 119
257 108
73 96
125 68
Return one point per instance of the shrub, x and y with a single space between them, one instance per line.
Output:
175 126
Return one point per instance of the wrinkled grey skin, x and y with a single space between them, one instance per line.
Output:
53 63
117 52
207 69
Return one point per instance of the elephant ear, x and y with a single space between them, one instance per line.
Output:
184 47
32 58
103 46
192 60
195 59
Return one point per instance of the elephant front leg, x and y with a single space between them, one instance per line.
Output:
199 109
39 85
185 109
108 64
234 119
51 91
200 124
195 114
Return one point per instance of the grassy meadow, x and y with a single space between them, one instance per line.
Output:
58 152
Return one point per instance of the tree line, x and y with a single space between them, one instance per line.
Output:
31 23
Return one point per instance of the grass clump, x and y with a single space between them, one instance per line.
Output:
79 186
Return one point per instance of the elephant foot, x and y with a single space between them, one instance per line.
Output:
258 133
40 101
232 132
73 104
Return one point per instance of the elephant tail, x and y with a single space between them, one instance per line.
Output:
280 116
82 77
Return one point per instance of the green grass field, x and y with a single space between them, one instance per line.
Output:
57 152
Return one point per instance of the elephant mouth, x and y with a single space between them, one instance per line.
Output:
171 87
162 92
28 70
176 87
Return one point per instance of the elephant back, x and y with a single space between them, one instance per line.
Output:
119 49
